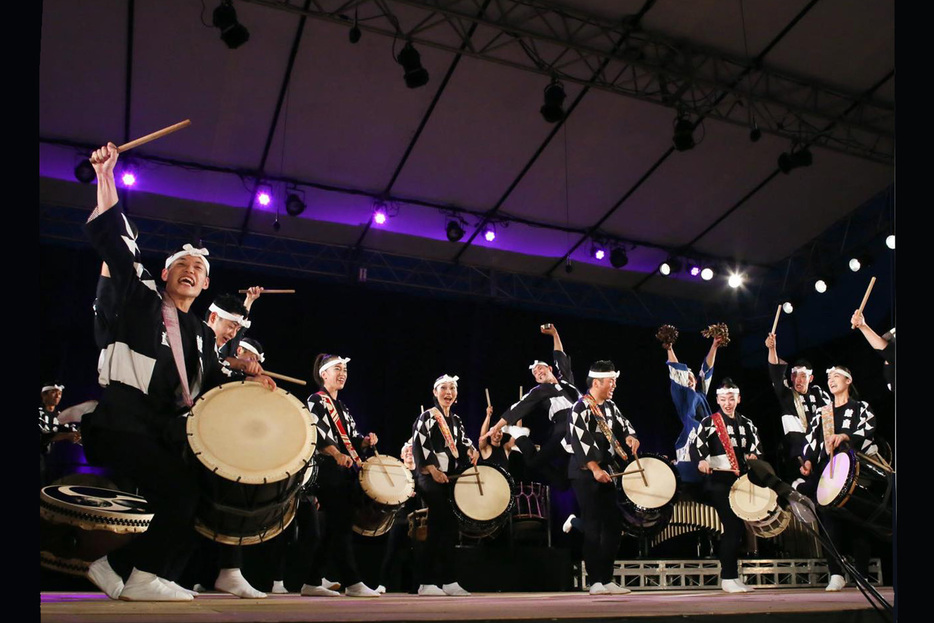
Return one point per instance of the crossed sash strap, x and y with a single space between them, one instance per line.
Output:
174 337
720 425
798 400
826 417
615 446
445 430
336 419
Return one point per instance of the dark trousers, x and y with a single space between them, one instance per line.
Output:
336 492
846 536
718 493
170 487
602 525
443 530
550 462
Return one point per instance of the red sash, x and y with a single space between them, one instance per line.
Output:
335 417
720 425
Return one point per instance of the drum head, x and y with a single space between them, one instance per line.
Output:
386 480
829 489
93 508
493 502
662 483
751 502
246 433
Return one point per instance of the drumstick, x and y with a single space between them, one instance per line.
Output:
872 282
752 488
151 137
422 407
479 482
641 470
878 461
520 392
270 291
283 377
778 312
488 403
385 471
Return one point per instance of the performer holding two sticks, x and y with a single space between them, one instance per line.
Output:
595 428
441 449
726 440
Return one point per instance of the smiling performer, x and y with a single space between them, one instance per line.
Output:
595 428
726 440
441 448
339 452
160 358
556 394
847 422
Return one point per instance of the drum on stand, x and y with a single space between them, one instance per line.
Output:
482 499
647 503
256 447
862 486
387 485
759 508
418 525
79 524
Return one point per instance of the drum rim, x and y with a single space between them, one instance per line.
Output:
406 474
227 471
252 539
624 499
771 495
55 511
849 484
464 519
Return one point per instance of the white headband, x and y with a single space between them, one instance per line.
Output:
446 379
839 371
797 369
187 249
48 388
603 375
727 390
331 363
226 315
537 362
252 349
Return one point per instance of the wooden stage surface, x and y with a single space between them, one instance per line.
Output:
780 604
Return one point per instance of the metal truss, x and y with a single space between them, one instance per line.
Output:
536 36
384 271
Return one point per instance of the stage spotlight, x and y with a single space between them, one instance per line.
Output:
84 172
735 280
411 61
695 271
489 234
454 230
787 162
294 204
890 241
379 216
787 307
855 264
665 268
128 178
619 257
553 108
264 196
683 138
706 274
233 33
820 285
597 252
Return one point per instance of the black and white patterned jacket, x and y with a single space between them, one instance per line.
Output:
558 397
430 448
586 438
49 426
328 435
854 419
743 435
794 430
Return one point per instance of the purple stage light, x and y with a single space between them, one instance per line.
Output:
489 235
599 254
264 198
695 271
128 178
379 217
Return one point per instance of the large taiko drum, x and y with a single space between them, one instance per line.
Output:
387 485
647 495
759 508
256 447
482 498
79 524
861 486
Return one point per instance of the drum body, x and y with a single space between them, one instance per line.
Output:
759 508
861 487
387 485
418 525
255 448
647 505
79 524
483 513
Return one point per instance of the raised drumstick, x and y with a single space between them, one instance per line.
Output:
778 312
269 291
151 137
520 392
872 282
283 377
488 403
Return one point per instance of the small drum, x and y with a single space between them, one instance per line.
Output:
256 447
387 485
78 525
647 504
418 525
483 514
759 508
861 485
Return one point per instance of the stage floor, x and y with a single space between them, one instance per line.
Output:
781 604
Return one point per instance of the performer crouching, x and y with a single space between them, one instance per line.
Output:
440 447
726 440
594 429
